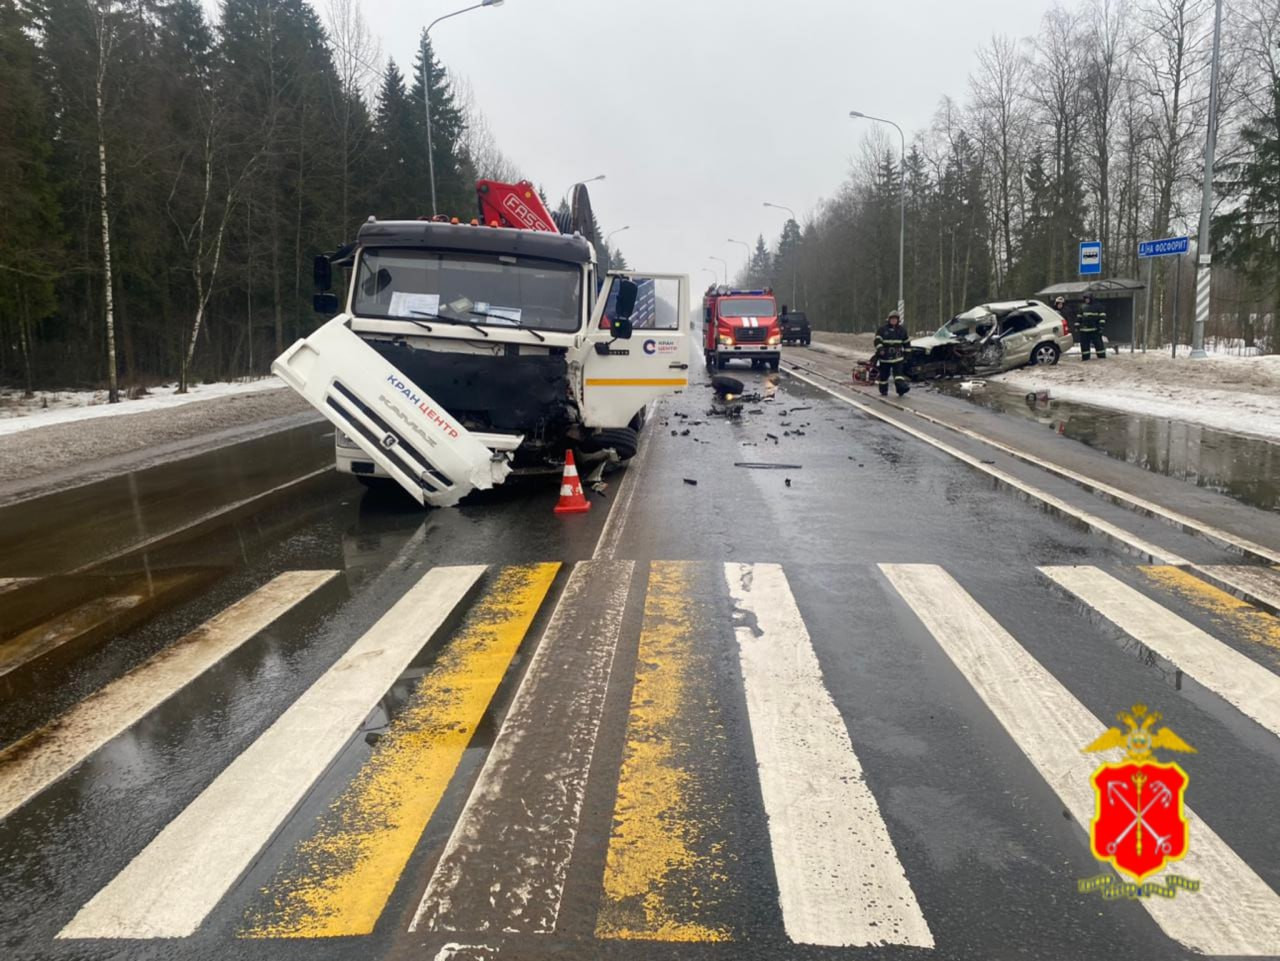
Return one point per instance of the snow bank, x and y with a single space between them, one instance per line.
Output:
61 407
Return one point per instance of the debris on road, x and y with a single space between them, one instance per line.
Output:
690 481
761 465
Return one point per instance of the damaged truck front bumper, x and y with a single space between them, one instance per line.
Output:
396 424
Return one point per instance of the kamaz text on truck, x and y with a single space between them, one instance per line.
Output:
463 352
741 324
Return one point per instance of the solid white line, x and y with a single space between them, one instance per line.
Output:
1234 912
620 510
1156 555
839 878
30 765
13 583
1235 678
505 864
169 889
1220 537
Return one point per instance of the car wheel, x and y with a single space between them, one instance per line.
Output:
1045 355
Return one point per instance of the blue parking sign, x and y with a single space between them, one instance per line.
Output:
1091 257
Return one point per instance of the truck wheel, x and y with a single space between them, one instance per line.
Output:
722 363
624 440
637 422
773 364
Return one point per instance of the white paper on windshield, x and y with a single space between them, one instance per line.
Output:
404 304
494 313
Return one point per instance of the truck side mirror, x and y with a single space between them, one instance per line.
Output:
325 304
322 273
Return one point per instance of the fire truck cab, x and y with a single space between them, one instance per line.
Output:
741 324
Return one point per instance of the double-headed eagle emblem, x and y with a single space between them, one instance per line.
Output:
1139 741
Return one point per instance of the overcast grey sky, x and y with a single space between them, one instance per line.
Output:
675 100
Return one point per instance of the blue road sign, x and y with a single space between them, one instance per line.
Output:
1169 247
1091 257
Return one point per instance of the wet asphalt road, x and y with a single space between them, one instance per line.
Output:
661 836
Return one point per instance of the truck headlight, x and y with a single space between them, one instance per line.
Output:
775 338
725 340
342 440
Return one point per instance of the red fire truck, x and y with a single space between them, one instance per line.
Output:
742 324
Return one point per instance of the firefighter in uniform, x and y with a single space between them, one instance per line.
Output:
1090 320
891 354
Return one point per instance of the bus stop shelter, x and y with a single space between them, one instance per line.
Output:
1115 297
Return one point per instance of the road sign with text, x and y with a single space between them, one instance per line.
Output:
1169 247
1091 257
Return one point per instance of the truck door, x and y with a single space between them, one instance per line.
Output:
622 376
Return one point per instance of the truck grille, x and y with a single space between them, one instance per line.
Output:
751 335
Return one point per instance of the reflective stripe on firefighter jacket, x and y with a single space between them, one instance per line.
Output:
891 344
1090 320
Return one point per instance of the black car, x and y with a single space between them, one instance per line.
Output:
795 328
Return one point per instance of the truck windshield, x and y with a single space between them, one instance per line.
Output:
488 289
748 307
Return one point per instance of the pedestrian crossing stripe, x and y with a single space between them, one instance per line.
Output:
338 881
170 888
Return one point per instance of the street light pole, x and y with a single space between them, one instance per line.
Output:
612 232
747 266
579 183
902 222
1204 270
724 266
794 220
426 89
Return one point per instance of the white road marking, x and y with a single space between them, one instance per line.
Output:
620 510
1115 494
1244 683
1149 552
13 583
1234 912
169 889
30 765
839 878
504 866
1257 584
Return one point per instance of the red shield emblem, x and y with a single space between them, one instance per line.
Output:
1138 824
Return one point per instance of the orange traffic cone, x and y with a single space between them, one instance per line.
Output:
571 499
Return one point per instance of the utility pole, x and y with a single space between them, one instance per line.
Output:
1204 268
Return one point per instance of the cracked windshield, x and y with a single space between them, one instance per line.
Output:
517 480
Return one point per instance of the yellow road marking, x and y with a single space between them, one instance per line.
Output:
1245 619
659 862
337 882
637 381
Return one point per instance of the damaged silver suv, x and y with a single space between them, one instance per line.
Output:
991 338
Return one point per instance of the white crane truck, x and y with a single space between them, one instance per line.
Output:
463 352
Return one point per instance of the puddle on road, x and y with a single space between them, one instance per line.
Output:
1245 468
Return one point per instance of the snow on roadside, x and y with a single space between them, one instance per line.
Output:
18 414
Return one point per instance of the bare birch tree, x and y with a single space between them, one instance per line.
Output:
101 13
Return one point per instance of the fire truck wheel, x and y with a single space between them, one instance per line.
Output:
773 364
722 363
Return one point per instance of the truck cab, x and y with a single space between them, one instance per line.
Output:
741 324
462 353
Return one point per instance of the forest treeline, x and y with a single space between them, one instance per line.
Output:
165 181
1094 128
